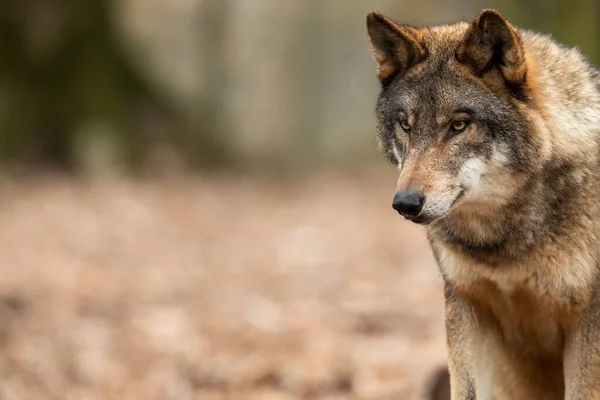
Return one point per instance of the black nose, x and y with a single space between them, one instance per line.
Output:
408 203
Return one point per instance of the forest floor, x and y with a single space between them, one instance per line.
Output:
214 288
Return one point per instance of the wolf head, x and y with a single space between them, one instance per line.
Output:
454 112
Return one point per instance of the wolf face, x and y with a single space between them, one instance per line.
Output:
453 113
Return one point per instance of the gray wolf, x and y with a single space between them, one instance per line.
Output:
496 134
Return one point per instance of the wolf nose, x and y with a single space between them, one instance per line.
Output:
408 203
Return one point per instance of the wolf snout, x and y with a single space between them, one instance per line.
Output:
408 203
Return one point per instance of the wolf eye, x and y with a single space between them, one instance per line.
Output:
459 126
405 126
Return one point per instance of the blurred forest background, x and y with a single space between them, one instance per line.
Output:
259 84
174 270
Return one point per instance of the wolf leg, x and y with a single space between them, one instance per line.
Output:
582 355
460 330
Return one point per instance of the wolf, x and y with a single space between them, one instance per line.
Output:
495 131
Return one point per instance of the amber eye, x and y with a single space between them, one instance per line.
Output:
459 126
405 125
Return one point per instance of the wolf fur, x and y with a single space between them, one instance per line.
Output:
511 202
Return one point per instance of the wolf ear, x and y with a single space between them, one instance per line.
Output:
491 41
395 46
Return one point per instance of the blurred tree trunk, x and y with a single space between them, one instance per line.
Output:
266 43
597 27
208 135
61 64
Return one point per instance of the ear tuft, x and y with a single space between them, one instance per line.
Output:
396 47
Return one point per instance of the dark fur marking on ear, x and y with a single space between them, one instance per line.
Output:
396 47
491 43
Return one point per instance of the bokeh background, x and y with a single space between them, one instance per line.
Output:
192 205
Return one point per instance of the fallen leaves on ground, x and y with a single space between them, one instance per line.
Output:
214 288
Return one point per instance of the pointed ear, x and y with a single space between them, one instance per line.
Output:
396 47
491 41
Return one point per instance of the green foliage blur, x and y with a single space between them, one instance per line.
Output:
269 84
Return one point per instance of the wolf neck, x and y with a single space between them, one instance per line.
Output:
491 234
555 202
